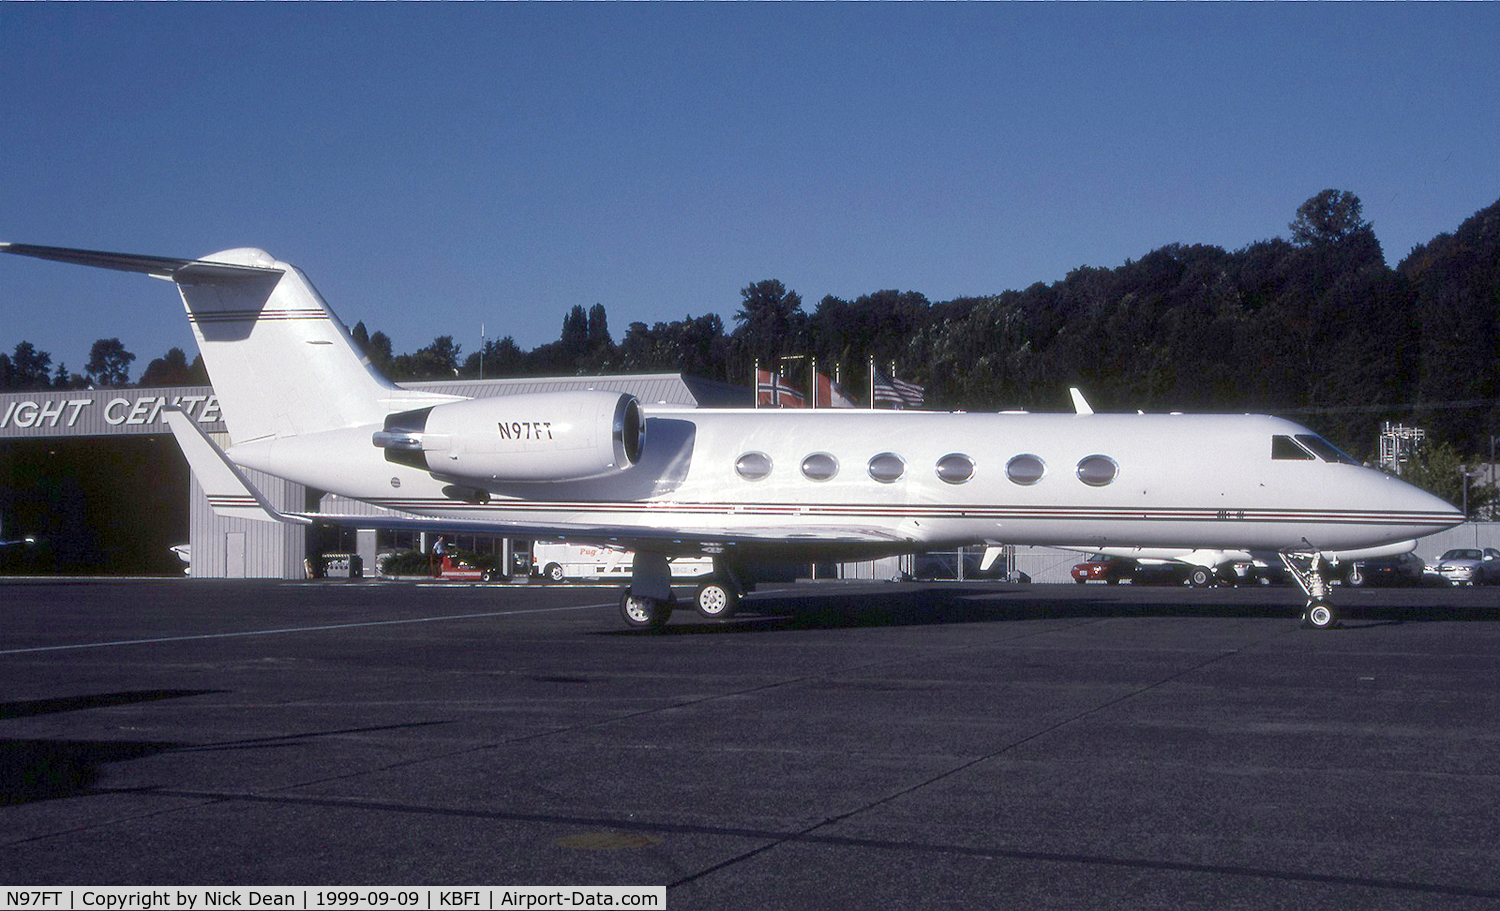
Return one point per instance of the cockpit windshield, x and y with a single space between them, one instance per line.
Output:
1326 450
1285 449
1306 447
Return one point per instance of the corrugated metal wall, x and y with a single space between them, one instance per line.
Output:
244 548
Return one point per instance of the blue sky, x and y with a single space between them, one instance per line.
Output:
433 167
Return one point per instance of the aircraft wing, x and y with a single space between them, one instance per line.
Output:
676 540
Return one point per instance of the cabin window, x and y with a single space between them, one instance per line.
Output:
887 467
1025 469
955 468
1287 449
1097 470
820 466
752 466
1325 449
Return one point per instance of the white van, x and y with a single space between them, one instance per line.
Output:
556 561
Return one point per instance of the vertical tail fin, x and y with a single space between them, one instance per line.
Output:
281 363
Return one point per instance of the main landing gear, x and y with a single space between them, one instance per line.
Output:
1318 614
715 601
648 602
640 612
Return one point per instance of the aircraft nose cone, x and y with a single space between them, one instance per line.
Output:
1428 507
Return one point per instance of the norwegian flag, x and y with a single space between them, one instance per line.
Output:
771 389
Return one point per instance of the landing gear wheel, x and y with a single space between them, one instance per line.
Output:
1356 576
1318 615
1201 577
717 601
644 613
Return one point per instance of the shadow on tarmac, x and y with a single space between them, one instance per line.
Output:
32 770
807 608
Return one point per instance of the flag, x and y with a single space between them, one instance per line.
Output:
830 394
896 393
771 389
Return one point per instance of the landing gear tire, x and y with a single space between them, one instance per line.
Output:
1319 615
644 613
717 601
1201 577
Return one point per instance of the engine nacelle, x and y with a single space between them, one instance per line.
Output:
539 436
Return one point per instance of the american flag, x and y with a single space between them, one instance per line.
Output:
897 393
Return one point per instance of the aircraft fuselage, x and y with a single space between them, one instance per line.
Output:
920 479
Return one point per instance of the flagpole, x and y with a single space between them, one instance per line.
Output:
755 383
812 381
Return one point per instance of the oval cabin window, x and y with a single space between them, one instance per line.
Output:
752 466
1097 470
887 467
820 466
1025 469
955 468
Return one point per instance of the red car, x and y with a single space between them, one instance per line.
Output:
1099 568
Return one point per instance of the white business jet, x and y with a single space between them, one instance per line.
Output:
744 486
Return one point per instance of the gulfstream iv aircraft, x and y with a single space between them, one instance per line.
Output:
741 485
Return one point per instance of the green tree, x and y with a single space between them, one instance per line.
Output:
173 369
1330 216
1437 468
109 363
376 347
771 323
695 345
437 361
30 368
498 357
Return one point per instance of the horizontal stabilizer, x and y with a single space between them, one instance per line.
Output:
187 271
229 492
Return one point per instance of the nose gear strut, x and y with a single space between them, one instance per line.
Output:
1318 613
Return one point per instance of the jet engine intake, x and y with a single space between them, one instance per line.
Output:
540 436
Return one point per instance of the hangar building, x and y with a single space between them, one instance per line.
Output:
96 477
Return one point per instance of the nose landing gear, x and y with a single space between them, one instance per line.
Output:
1319 613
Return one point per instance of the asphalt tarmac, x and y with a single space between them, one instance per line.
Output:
872 746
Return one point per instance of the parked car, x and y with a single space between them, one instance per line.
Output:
1470 566
1100 568
1167 572
1401 569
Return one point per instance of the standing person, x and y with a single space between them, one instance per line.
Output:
439 550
